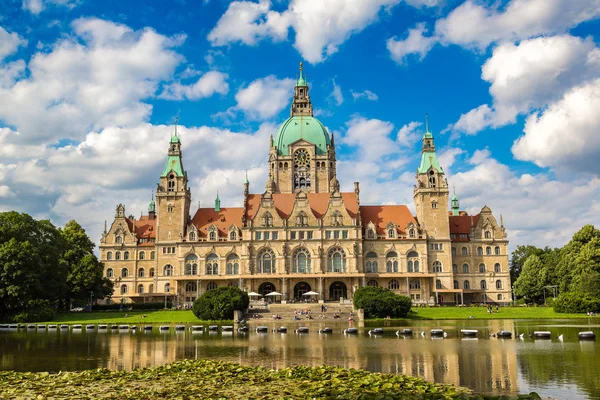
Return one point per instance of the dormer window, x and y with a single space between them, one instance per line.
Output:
118 239
192 236
391 233
411 233
488 234
232 235
212 236
370 234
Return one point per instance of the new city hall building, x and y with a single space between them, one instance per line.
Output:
303 234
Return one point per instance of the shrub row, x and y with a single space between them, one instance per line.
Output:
155 305
573 302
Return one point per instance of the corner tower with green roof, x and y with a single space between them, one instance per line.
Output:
302 155
431 192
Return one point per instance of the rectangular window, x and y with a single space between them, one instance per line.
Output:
309 235
257 235
430 246
267 235
164 250
336 234
301 235
275 235
452 236
293 235
344 234
327 234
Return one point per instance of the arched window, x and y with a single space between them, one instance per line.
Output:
455 284
118 255
126 255
434 204
411 233
142 255
431 175
480 251
437 266
212 236
488 235
497 267
266 262
301 219
371 262
370 234
152 255
393 284
481 267
414 284
211 285
141 272
488 251
168 270
373 283
109 255
391 262
191 287
140 288
232 235
413 261
483 284
124 273
301 261
391 233
167 287
498 284
123 289
336 260
212 264
497 250
499 296
466 285
170 208
438 284
150 288
233 264
454 251
465 251
454 269
151 274
192 236
191 265
118 239
171 182
109 273
465 268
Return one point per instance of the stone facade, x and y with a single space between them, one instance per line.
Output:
303 234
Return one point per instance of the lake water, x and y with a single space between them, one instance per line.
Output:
567 369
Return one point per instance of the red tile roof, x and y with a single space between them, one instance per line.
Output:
462 223
145 227
284 203
205 217
383 215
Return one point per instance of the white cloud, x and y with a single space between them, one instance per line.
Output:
476 26
208 84
372 137
37 6
264 98
408 135
9 43
448 156
320 26
367 94
530 75
96 78
424 3
336 94
415 43
565 135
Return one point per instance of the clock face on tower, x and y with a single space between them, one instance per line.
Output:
301 158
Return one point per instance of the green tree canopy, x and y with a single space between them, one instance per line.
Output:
379 302
219 303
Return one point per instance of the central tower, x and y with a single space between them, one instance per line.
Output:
302 156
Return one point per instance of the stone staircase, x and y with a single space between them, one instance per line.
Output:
288 311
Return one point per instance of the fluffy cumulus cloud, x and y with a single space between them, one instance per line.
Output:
249 22
475 25
409 134
207 85
37 6
9 43
367 94
265 97
96 78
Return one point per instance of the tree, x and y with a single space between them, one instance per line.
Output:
529 284
85 271
379 302
219 303
579 258
518 258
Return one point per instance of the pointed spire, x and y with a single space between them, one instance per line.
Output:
246 181
455 204
217 203
301 81
426 122
501 222
104 226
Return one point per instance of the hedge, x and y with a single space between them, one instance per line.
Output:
573 302
155 305
379 302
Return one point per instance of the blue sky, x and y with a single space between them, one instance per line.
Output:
90 91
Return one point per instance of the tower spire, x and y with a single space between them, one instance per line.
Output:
246 181
455 205
217 203
427 122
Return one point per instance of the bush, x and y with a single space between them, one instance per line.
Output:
380 303
37 311
155 305
573 302
219 303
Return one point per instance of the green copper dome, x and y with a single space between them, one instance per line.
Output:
302 127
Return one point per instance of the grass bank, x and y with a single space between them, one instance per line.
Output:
208 379
131 317
433 313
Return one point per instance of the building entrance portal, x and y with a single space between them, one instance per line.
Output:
337 290
266 287
300 289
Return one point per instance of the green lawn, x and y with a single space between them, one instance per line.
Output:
481 313
130 317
